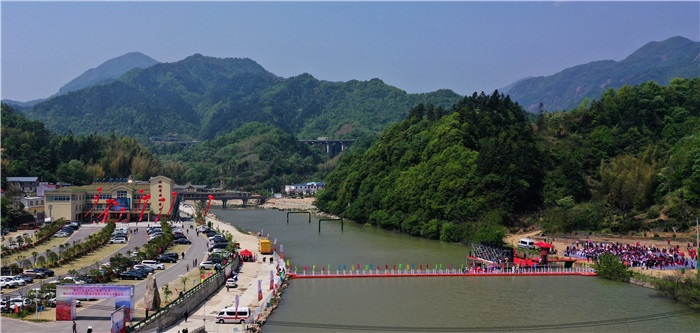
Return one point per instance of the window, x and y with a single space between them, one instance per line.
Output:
121 194
58 198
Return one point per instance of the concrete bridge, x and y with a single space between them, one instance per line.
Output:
332 147
224 196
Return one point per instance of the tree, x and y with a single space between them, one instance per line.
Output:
167 292
609 266
184 283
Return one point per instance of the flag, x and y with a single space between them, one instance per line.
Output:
236 305
344 267
275 242
260 290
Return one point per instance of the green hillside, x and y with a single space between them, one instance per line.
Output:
203 97
629 161
656 61
29 149
254 157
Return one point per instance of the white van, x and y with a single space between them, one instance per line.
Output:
229 315
526 243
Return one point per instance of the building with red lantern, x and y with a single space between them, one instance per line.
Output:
122 200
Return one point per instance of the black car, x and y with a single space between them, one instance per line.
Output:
46 271
178 236
164 258
10 229
132 275
172 254
210 233
182 241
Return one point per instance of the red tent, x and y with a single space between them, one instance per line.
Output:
246 253
544 245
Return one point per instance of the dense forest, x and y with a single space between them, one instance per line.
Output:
629 161
29 149
254 157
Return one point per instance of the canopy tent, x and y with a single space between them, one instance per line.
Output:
246 253
544 245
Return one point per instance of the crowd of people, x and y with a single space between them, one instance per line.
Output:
638 255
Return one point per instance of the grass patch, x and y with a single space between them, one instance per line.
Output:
89 259
41 249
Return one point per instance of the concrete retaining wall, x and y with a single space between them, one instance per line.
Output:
188 302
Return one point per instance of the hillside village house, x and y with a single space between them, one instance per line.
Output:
73 202
24 184
305 188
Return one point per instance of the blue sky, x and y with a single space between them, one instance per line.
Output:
415 46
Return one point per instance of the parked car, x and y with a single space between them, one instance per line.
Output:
46 271
210 233
73 280
20 280
10 229
207 265
34 273
75 225
164 258
172 254
25 277
155 264
9 282
144 268
118 240
232 283
182 241
132 275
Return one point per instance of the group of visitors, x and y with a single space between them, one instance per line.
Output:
637 255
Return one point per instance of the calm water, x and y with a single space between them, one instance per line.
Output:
459 304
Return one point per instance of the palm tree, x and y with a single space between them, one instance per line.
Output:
34 255
73 272
60 249
166 291
184 283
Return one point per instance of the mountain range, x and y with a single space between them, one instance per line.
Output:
656 61
203 97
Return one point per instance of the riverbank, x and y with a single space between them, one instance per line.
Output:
663 240
251 272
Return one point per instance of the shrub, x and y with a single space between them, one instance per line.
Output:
609 266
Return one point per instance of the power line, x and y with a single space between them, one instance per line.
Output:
583 324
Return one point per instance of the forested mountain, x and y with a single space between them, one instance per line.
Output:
656 61
110 69
629 161
253 157
29 149
203 97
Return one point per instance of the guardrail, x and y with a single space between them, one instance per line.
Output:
379 272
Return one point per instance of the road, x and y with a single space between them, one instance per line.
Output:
98 315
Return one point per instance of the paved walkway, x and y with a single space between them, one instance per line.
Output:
247 289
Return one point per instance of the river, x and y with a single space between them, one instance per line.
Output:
444 304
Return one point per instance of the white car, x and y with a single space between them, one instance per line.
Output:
155 264
19 301
70 279
207 265
20 280
118 240
9 282
232 283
